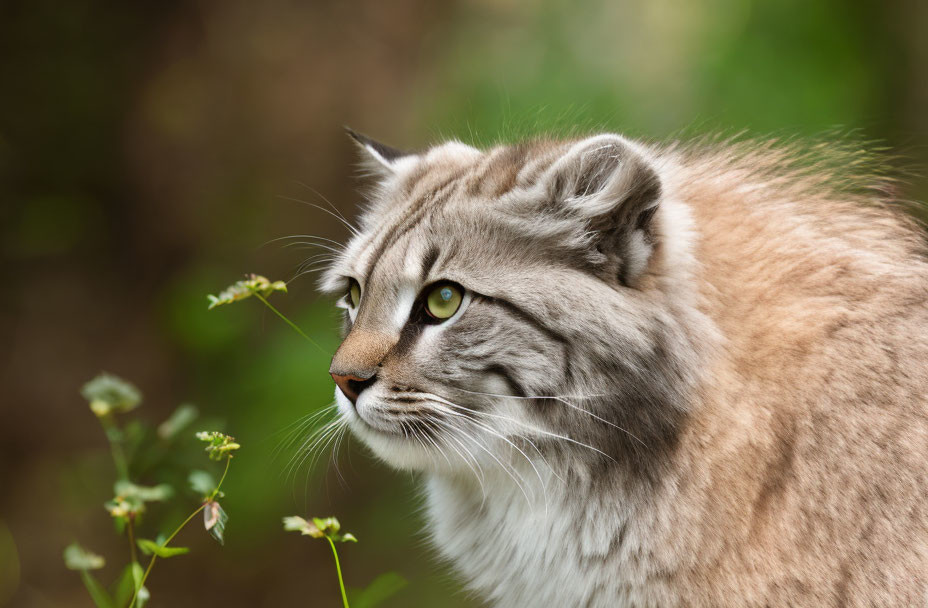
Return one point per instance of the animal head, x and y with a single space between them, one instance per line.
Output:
505 301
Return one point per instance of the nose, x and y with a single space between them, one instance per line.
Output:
352 386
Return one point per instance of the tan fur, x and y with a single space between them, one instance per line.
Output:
809 444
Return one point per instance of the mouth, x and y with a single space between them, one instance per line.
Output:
404 435
409 417
368 417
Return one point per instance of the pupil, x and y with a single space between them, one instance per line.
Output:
445 294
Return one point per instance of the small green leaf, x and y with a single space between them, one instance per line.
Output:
220 444
130 498
178 421
318 527
129 490
214 520
149 546
137 575
97 593
252 284
382 588
110 394
202 482
78 558
124 586
329 526
294 523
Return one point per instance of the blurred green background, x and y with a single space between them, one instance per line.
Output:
149 150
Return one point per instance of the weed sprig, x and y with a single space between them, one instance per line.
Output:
108 397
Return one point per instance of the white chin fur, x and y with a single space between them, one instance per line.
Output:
396 451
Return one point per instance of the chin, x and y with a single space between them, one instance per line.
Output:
389 446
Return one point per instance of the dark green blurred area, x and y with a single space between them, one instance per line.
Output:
149 150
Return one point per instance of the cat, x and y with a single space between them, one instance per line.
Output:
646 375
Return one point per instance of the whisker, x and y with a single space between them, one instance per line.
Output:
480 477
431 440
565 402
338 244
529 397
563 399
306 449
297 427
346 223
299 453
335 455
512 474
322 446
500 436
526 425
310 244
329 203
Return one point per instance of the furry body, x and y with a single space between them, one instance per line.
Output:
685 376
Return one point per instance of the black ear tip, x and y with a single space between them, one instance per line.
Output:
355 135
385 151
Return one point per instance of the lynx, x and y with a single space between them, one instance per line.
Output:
646 375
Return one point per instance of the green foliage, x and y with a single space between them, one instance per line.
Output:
381 589
97 592
327 528
124 587
220 445
182 417
78 558
150 547
130 499
253 284
259 287
109 395
318 527
201 482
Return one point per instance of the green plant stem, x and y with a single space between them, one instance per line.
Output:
178 529
131 530
119 456
165 544
215 491
286 320
338 569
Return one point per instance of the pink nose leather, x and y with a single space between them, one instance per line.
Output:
344 383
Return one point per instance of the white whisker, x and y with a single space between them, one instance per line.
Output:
526 425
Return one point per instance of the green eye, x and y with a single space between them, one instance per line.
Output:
354 293
443 300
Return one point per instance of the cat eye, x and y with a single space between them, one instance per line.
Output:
443 300
354 293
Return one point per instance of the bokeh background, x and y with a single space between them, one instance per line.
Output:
149 150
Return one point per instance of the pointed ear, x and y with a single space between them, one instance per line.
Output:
380 158
605 182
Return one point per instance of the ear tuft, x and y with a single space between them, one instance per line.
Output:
380 158
608 184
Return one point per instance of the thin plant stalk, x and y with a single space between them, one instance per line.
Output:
286 320
178 529
130 527
119 456
338 569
